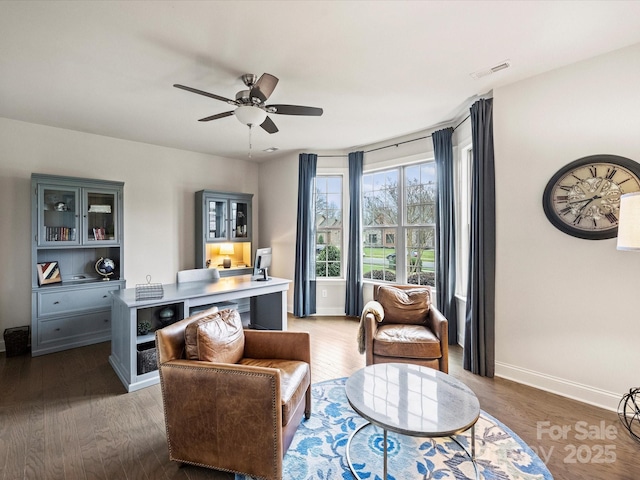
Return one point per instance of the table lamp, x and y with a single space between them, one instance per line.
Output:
629 222
226 249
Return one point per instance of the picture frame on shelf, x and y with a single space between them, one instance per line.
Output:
98 233
49 272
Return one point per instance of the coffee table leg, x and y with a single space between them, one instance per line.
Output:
473 442
385 455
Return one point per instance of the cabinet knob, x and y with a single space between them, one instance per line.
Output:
57 329
105 296
56 302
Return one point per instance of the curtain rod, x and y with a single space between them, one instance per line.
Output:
395 144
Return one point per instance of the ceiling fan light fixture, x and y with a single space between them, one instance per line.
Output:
250 116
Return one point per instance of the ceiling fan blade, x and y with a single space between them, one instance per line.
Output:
216 117
264 87
269 126
296 110
206 94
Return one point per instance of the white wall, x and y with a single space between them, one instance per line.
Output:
158 201
566 308
278 185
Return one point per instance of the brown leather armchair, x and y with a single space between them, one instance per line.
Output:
412 330
237 410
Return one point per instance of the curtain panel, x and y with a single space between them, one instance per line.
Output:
479 341
304 285
353 298
445 230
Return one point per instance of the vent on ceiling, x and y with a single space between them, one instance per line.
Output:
270 149
496 68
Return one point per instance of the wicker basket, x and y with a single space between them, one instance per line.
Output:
149 291
147 358
16 341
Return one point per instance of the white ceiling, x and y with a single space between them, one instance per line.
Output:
380 69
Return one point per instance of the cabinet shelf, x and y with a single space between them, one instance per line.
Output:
149 337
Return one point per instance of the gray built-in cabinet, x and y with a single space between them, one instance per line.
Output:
223 219
74 222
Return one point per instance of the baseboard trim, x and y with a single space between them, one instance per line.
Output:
560 386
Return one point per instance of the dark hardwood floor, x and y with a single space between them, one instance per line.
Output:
67 416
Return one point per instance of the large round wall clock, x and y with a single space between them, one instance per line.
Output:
583 198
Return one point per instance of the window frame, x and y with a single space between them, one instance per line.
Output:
462 192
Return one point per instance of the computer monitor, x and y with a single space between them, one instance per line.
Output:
261 264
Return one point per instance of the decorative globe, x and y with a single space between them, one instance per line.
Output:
105 267
166 315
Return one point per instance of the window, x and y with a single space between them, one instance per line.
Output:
463 216
328 198
399 218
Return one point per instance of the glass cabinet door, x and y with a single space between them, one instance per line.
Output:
239 216
216 219
58 222
100 216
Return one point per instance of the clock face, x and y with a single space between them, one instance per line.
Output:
583 198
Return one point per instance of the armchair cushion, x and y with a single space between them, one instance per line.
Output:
407 306
406 341
295 377
215 337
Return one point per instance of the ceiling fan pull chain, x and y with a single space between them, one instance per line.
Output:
250 141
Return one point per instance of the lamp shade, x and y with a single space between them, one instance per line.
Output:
629 222
226 249
249 115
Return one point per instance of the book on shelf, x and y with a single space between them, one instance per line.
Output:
60 234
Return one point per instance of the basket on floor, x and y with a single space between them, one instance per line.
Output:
16 341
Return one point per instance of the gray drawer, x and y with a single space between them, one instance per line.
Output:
67 301
92 324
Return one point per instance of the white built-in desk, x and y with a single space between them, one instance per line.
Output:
268 310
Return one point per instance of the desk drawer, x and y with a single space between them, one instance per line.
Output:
67 301
93 324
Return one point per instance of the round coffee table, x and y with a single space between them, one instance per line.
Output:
412 400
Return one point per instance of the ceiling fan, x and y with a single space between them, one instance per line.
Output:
251 109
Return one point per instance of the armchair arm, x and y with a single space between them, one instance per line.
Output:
370 328
211 409
277 344
439 325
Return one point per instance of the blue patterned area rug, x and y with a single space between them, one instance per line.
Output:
318 450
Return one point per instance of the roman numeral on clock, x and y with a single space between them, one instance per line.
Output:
625 180
611 217
564 211
610 173
562 198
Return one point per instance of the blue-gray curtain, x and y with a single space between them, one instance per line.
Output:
304 287
353 298
479 337
445 231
